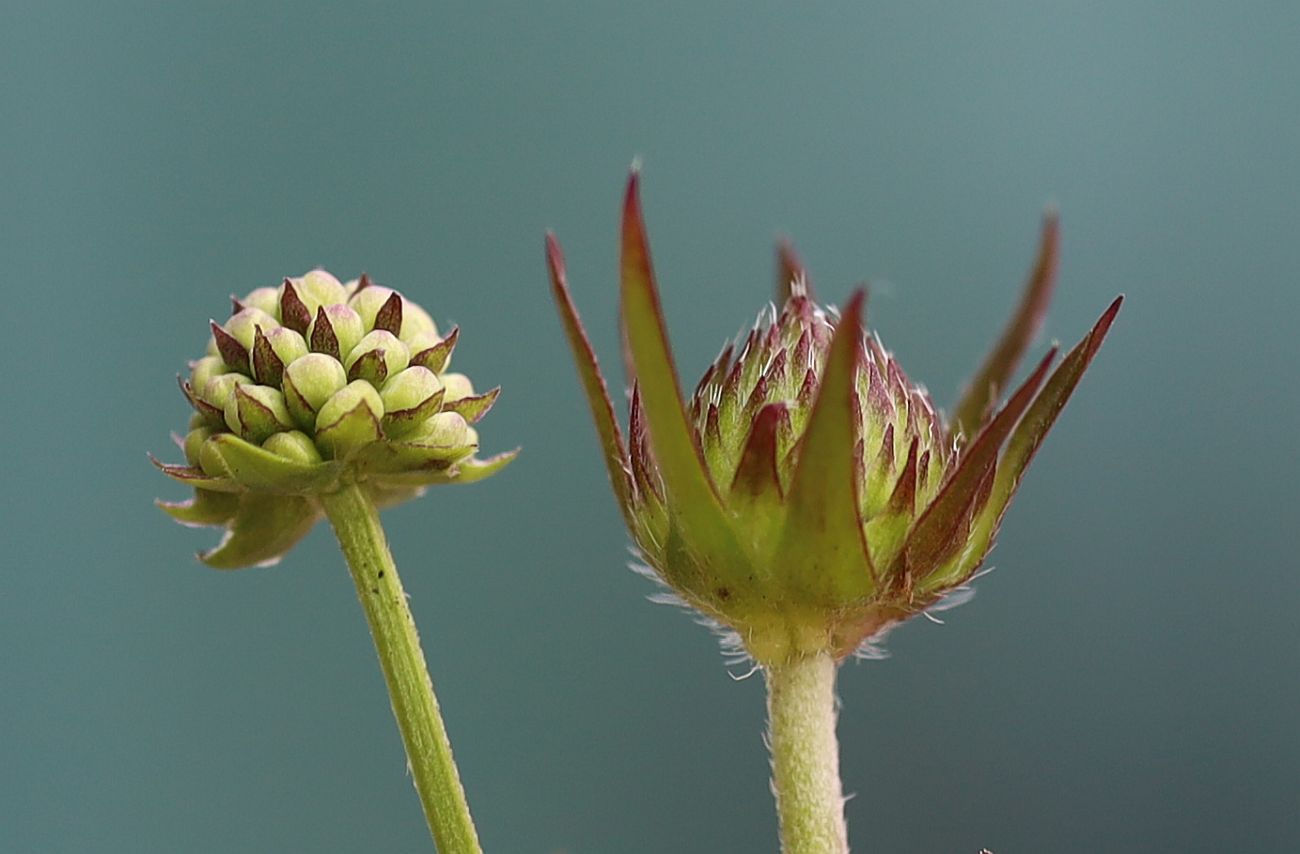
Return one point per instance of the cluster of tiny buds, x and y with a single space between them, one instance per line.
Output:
317 369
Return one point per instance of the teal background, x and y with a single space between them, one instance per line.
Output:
1125 681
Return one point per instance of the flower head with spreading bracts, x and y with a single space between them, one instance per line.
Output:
809 496
310 385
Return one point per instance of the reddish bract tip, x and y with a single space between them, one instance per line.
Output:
389 316
593 383
980 397
937 532
791 276
823 498
757 474
293 311
233 353
323 337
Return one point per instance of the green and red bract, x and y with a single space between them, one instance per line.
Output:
312 385
809 496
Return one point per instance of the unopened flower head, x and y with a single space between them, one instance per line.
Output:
311 384
808 495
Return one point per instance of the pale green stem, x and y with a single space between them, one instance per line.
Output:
356 523
805 755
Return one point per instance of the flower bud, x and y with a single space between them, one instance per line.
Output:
458 387
369 302
194 442
415 321
318 288
293 445
277 421
273 349
255 412
242 326
808 496
202 370
265 299
335 330
445 438
349 420
376 357
410 397
310 381
219 390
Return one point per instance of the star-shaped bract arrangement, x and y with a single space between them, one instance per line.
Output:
808 496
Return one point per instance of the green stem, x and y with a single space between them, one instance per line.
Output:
805 755
356 524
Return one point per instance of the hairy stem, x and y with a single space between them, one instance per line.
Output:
805 755
356 524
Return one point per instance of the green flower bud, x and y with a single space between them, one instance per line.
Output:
415 321
335 330
309 381
440 442
265 299
243 325
318 288
293 445
210 460
458 387
273 349
809 496
277 421
379 355
349 420
369 302
194 442
255 412
410 397
219 390
202 370
446 437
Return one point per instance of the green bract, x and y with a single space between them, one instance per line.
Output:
311 385
809 496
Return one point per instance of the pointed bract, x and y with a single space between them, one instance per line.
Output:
256 468
691 495
934 536
809 495
1038 421
757 478
268 369
437 356
234 354
593 383
823 498
265 527
205 509
475 406
389 317
791 276
1000 364
293 311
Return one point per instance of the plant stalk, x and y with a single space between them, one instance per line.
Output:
805 755
433 770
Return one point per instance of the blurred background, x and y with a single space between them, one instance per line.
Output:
1125 681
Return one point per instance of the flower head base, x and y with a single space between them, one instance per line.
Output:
310 385
809 496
